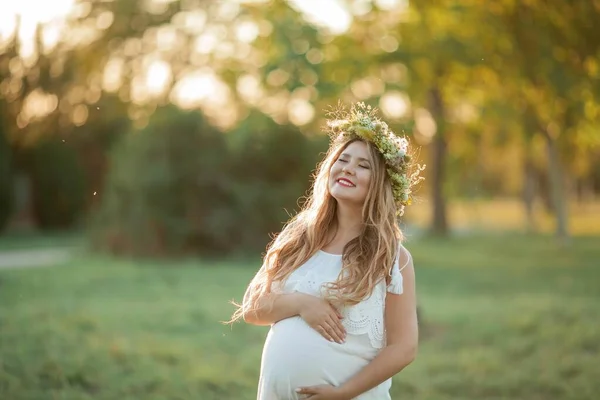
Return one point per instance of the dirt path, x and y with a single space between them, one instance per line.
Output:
31 258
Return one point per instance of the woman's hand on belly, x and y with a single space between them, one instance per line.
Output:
322 392
323 317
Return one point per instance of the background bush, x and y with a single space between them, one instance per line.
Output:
6 193
270 174
57 183
181 186
165 191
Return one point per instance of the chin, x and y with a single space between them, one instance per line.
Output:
350 200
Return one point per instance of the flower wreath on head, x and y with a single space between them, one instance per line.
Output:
361 122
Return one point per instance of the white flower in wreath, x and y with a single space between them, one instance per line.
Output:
402 145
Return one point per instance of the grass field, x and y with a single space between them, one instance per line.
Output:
502 318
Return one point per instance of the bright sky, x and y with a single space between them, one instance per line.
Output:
32 12
330 13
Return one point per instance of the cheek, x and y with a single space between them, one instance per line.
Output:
365 178
332 171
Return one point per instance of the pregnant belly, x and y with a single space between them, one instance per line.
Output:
296 355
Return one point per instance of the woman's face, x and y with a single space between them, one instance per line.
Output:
350 174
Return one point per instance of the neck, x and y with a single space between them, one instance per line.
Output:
349 222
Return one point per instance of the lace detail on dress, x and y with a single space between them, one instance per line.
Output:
364 318
308 279
367 317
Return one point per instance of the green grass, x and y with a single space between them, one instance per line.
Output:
502 318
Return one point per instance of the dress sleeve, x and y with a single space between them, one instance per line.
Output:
404 258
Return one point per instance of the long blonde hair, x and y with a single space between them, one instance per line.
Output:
366 259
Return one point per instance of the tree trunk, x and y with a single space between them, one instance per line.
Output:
439 223
557 193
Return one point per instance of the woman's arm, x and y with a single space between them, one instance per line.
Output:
401 348
402 340
268 307
273 307
318 313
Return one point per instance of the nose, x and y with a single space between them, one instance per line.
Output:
348 169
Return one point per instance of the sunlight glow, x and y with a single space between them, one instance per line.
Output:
300 112
192 22
367 87
249 88
463 112
105 20
167 38
79 115
32 13
199 86
331 14
158 76
395 104
246 31
113 75
426 126
276 106
204 89
38 104
390 4
205 43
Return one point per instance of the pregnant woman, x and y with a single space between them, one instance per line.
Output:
337 286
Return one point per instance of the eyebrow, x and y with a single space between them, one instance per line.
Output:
359 158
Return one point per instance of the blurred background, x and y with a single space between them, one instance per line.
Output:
149 150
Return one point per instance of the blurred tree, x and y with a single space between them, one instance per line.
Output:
555 48
52 93
6 184
270 172
166 192
493 87
57 183
433 42
460 56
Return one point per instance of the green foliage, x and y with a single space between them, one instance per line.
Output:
58 184
180 186
504 318
489 69
165 191
6 193
271 170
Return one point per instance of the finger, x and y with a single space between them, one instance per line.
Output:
337 334
338 323
306 390
339 328
323 331
329 327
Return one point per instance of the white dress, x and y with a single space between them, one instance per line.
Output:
296 355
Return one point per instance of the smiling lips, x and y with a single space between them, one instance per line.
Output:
345 182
